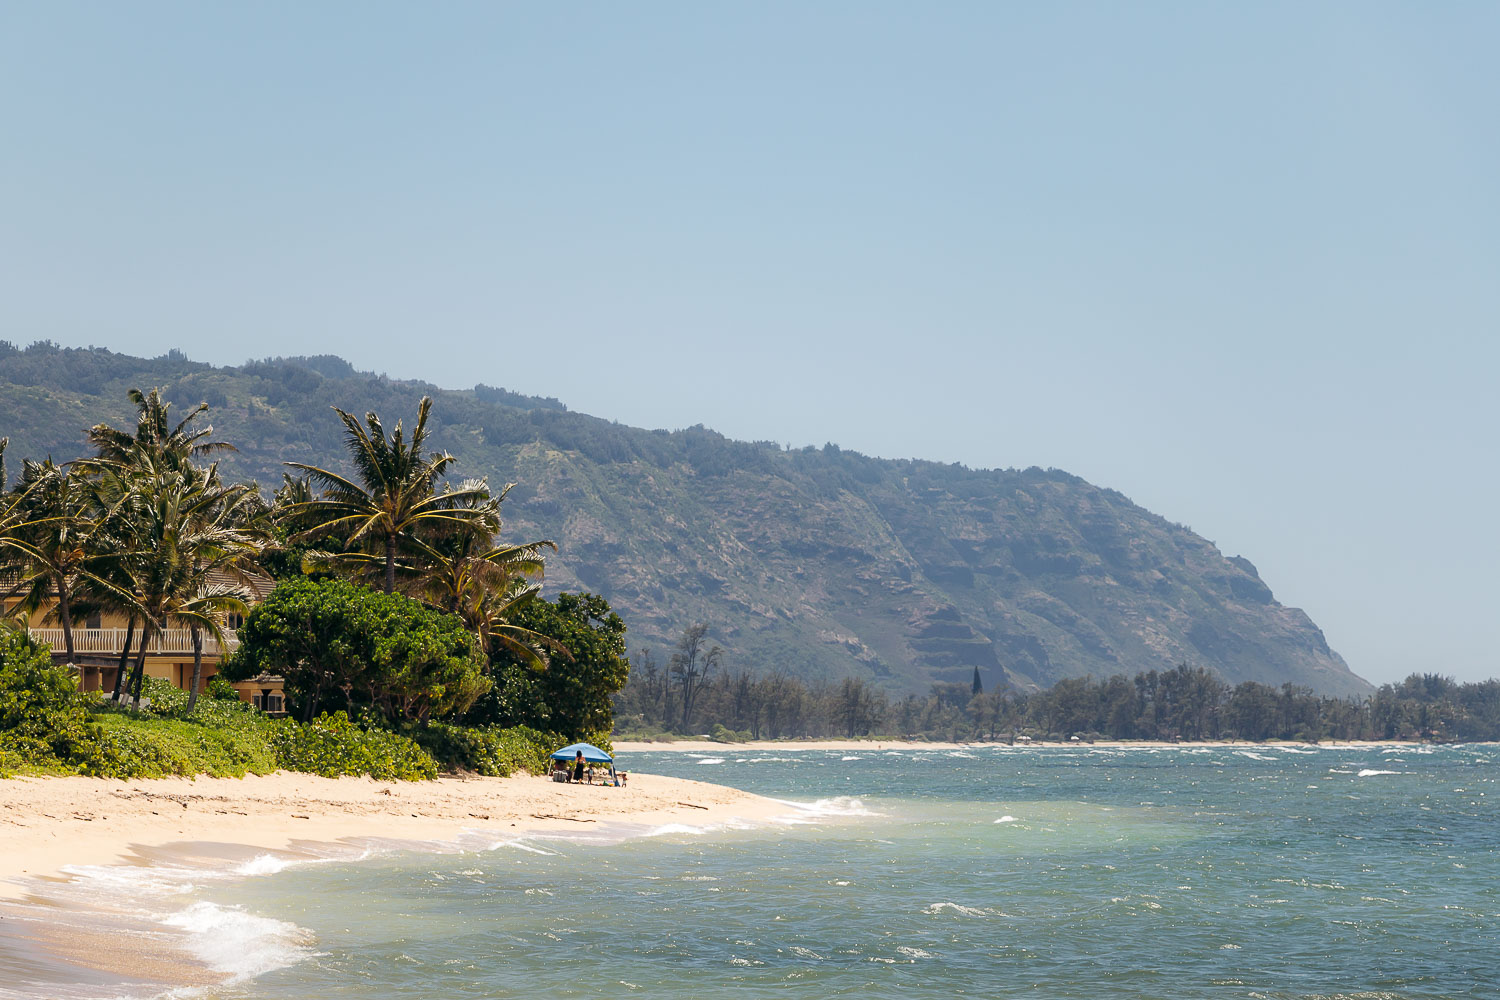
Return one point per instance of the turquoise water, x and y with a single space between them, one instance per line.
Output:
1056 873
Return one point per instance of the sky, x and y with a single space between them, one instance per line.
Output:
1240 262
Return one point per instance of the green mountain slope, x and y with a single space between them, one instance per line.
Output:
820 561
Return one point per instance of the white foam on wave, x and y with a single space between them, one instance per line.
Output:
710 760
237 943
1252 755
960 753
521 845
1370 772
1295 750
937 909
669 828
851 758
1007 819
841 805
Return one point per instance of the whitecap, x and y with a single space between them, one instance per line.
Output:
667 828
1295 750
240 944
1252 755
1007 819
960 753
913 952
1371 772
936 909
841 805
266 864
520 846
710 760
851 758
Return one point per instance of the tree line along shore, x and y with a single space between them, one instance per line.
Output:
697 696
405 638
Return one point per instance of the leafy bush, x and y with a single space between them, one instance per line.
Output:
11 763
219 688
166 699
145 747
43 716
332 746
492 751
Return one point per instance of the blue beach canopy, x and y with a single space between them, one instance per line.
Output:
591 753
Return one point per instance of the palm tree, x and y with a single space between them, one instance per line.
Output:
168 446
393 499
463 572
175 528
56 536
167 523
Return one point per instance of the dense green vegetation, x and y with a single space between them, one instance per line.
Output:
1186 703
820 562
143 527
48 727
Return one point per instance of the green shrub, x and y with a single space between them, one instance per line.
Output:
219 688
492 751
331 746
43 716
146 747
11 763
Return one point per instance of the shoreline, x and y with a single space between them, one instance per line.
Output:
701 745
51 824
69 845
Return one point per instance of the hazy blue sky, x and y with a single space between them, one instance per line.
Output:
1239 262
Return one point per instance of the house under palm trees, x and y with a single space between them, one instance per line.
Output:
99 639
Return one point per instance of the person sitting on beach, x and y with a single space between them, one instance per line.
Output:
578 766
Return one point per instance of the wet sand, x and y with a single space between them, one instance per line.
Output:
73 924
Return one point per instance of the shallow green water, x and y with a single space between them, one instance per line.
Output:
1255 873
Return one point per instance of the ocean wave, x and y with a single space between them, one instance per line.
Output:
1007 819
937 909
240 944
851 758
1370 772
841 805
710 760
1253 755
670 828
1295 750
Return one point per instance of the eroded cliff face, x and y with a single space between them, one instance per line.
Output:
820 562
914 573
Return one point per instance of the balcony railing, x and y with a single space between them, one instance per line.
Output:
111 640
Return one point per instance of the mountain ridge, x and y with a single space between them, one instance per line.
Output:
820 561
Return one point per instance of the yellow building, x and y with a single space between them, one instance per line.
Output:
98 641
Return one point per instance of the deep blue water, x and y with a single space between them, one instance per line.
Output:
1057 873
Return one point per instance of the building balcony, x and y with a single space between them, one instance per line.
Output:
109 642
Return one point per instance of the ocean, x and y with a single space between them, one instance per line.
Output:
1274 873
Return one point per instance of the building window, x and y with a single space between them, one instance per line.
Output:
95 620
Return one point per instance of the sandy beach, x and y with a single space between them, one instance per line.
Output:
49 823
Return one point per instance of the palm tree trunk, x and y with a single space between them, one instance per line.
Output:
65 616
140 665
197 667
390 564
124 659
